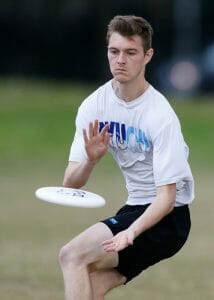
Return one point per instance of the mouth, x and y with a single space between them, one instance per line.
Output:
120 70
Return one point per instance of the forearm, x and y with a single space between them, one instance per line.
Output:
162 206
96 146
78 173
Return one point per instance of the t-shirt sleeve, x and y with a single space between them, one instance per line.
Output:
77 151
170 154
84 116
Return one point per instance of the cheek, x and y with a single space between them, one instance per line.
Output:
111 60
137 64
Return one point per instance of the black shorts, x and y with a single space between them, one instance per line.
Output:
159 242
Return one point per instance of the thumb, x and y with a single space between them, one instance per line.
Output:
130 237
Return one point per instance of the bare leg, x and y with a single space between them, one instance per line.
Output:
77 257
105 280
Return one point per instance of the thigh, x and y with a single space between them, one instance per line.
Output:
88 245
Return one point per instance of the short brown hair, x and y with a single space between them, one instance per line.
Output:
131 25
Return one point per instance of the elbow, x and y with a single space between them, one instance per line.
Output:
167 195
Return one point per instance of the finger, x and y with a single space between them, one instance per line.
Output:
130 237
85 137
116 246
96 127
91 130
107 242
130 240
107 139
109 248
108 245
104 130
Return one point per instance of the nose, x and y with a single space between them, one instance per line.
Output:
121 58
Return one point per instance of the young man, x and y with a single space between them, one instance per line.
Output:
132 120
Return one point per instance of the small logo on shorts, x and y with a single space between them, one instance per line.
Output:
113 221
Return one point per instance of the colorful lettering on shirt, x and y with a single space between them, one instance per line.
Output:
126 137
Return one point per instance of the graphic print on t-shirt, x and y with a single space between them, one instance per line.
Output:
126 137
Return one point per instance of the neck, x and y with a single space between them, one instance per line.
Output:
129 92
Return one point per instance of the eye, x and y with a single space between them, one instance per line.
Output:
131 53
113 51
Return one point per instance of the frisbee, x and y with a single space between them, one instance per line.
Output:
69 197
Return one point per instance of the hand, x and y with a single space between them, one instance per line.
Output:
120 241
96 144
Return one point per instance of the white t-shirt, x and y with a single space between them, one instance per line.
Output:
146 142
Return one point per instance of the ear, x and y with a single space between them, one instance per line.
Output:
148 55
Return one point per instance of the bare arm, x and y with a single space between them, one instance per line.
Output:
96 145
77 173
162 206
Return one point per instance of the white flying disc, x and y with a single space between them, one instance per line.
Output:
69 197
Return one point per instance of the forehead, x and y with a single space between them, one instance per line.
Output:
117 40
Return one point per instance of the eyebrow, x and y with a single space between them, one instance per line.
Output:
126 49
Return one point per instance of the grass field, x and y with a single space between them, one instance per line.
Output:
36 128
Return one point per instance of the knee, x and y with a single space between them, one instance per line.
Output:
70 255
64 256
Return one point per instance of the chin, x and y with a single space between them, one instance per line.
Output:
121 79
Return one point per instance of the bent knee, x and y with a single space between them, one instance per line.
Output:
70 254
63 256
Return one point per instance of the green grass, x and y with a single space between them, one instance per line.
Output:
36 128
36 119
197 119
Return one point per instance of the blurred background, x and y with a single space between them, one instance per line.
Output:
65 39
52 56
